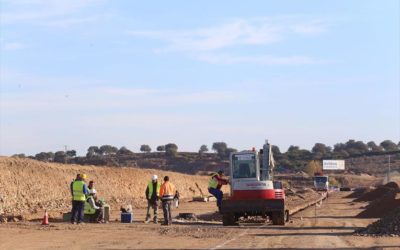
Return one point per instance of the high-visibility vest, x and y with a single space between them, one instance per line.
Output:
88 208
167 191
213 183
77 189
150 186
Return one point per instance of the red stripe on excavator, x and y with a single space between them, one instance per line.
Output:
258 194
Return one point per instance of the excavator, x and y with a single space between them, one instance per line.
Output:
253 191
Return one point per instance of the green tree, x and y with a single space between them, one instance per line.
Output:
388 145
220 148
373 147
93 151
145 148
171 150
60 156
19 156
108 150
161 148
124 151
45 156
71 153
203 149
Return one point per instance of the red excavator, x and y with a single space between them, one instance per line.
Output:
253 190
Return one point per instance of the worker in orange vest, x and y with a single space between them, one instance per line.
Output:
167 194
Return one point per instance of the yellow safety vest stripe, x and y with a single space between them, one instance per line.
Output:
150 186
213 183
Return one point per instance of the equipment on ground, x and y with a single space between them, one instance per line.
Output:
253 189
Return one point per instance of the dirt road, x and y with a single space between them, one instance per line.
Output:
331 229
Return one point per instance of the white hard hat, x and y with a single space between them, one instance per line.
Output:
92 191
154 177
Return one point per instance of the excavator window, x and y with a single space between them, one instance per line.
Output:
244 167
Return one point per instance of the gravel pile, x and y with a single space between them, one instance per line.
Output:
389 225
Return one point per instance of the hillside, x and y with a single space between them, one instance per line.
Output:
29 185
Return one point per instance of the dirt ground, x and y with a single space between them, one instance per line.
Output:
331 229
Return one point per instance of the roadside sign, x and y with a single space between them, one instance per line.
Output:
333 164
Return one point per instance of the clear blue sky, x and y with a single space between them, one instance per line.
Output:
126 73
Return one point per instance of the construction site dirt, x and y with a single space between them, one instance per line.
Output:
330 225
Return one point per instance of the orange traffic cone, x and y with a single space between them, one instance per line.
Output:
45 220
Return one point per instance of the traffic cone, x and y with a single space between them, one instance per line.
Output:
45 220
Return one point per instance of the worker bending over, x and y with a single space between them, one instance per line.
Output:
215 184
93 208
167 194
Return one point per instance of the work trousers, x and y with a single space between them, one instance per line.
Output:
77 211
167 206
154 206
217 194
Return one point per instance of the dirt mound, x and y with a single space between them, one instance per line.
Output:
358 192
389 225
379 192
380 207
29 186
392 184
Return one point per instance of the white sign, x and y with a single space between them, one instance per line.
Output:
246 157
333 164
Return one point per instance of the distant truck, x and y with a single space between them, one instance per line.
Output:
321 182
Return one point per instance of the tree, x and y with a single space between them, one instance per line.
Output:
388 145
220 148
171 149
145 148
124 151
108 150
19 156
161 148
203 149
313 167
373 147
45 156
71 153
93 151
229 151
60 156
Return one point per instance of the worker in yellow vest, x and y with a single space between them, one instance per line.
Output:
214 186
152 195
79 192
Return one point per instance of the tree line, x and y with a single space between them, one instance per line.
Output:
292 158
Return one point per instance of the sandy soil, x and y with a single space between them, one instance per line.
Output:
331 229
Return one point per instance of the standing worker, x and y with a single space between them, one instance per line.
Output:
152 196
167 194
79 192
214 186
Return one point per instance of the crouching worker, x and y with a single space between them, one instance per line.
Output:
214 186
167 194
93 208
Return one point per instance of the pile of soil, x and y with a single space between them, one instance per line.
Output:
28 187
379 192
389 225
384 201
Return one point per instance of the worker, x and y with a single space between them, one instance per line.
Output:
72 182
214 186
93 208
176 199
90 186
152 195
167 194
79 192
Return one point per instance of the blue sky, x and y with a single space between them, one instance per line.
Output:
126 73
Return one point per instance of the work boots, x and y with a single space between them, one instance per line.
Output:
155 220
147 219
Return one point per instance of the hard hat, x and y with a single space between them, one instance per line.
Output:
83 176
154 177
221 171
92 191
